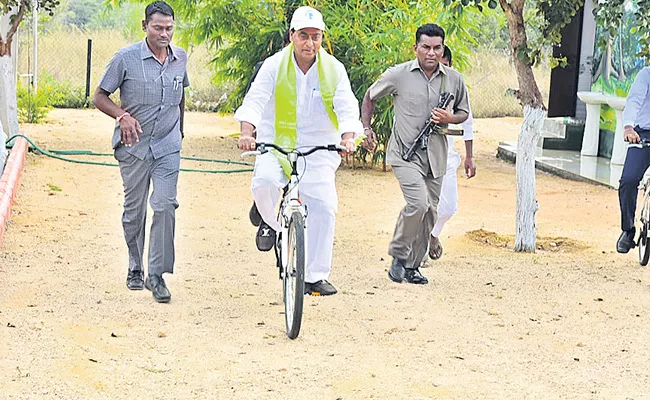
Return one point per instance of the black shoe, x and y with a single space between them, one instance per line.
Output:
414 276
135 280
254 215
265 238
397 270
320 288
626 241
158 288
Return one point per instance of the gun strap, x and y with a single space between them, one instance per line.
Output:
443 85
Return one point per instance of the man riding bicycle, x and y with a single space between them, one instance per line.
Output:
301 97
636 120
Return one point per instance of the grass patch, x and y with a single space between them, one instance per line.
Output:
54 188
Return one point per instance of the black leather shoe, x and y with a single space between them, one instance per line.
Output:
158 288
265 238
135 280
320 288
397 270
414 276
254 215
626 241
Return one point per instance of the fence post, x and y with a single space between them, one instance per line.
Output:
88 62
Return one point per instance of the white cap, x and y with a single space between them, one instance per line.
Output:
307 17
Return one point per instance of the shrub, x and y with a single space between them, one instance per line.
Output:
32 107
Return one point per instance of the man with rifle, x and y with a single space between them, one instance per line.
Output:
417 87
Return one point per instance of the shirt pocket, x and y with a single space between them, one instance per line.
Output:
173 91
316 104
416 105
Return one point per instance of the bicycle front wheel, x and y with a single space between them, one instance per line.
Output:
294 275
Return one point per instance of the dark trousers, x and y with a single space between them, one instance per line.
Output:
636 162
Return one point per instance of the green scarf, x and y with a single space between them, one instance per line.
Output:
286 99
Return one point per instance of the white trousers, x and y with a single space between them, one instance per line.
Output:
321 201
448 204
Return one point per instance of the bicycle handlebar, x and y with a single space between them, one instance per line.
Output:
262 148
643 143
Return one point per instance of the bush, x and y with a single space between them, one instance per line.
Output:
63 94
206 99
32 107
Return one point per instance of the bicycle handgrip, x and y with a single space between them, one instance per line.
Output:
250 153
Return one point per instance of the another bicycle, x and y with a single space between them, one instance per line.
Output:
644 242
291 242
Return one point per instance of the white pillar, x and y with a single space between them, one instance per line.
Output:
592 131
619 151
588 167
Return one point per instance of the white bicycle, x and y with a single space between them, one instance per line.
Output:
290 248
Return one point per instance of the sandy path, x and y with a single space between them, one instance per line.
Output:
492 323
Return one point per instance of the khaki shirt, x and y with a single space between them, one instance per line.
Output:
415 96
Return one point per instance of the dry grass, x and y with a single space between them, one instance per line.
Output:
490 76
552 244
63 55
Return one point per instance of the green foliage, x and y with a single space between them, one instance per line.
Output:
82 12
366 36
543 21
93 16
46 6
206 99
32 108
62 94
54 187
609 16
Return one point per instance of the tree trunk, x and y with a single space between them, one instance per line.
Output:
527 206
534 112
8 106
8 103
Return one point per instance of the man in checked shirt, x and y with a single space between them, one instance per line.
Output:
151 76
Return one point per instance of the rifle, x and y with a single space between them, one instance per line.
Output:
422 138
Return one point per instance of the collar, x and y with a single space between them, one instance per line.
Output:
295 62
145 51
416 65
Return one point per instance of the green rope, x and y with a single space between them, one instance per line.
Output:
58 153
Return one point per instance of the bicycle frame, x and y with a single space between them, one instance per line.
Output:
291 200
290 204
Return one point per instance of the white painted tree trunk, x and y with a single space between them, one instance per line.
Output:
3 149
8 106
531 130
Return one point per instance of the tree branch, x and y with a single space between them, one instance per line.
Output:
14 26
505 6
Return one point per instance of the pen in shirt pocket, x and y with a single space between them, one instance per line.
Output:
177 82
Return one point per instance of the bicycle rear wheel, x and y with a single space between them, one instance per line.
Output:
294 275
644 246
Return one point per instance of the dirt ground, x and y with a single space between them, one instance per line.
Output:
571 321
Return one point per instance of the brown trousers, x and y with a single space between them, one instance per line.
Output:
416 220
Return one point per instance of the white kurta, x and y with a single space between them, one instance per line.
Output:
448 204
317 171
